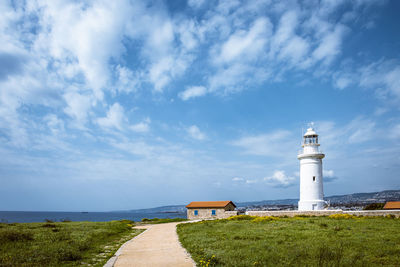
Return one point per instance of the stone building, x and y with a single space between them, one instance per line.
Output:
200 210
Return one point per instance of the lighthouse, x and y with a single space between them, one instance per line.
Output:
311 180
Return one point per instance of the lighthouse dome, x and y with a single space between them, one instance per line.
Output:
310 131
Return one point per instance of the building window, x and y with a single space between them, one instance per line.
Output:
213 212
196 212
313 178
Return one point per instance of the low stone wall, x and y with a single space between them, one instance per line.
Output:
373 212
228 214
292 213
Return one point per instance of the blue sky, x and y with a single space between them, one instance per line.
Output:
111 105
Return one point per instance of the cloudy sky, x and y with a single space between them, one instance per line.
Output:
110 105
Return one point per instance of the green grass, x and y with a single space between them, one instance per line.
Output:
299 241
158 221
62 243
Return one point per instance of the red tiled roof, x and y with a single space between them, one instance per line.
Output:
392 205
209 204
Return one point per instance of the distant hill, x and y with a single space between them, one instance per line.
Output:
358 198
383 196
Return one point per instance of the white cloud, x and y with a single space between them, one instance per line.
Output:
357 131
328 173
126 80
251 181
141 127
192 92
237 179
247 44
329 176
195 133
343 80
55 124
286 44
360 130
279 143
86 35
330 45
236 77
280 179
115 117
392 81
394 132
78 106
196 3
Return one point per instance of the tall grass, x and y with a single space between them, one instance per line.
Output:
299 241
63 243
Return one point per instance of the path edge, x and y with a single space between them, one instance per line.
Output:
111 261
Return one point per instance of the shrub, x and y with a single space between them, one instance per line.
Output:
374 206
48 220
265 219
208 261
390 216
145 220
241 218
337 228
342 216
302 216
13 235
49 225
127 221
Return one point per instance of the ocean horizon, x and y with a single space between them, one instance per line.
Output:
58 216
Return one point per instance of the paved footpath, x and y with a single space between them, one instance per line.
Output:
157 246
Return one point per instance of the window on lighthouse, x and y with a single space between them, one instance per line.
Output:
313 178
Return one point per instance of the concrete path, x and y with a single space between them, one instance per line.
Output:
157 246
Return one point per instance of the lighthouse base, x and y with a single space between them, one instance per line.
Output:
308 205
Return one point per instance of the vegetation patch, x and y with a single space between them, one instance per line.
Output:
265 219
62 243
342 216
374 206
241 218
313 241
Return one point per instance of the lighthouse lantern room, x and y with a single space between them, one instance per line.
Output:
311 180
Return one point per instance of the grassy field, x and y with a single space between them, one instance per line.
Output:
299 241
62 243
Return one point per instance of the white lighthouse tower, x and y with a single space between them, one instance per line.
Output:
311 181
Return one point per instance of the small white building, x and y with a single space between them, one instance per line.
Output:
311 180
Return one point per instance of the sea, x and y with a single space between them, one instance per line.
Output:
42 216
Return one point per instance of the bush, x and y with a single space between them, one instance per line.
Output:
127 221
49 225
13 236
265 219
342 216
374 206
241 218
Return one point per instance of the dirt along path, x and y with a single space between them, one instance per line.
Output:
157 246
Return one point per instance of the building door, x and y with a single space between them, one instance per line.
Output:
314 206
